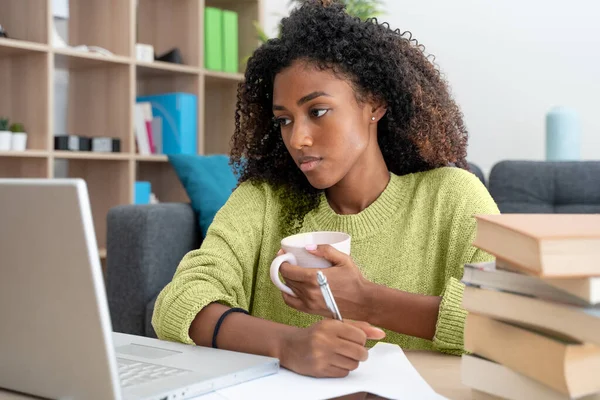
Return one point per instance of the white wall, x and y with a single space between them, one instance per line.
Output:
508 62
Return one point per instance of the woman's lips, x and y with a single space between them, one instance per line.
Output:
309 163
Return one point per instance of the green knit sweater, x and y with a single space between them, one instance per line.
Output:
415 237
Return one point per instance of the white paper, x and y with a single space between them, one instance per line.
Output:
387 373
60 8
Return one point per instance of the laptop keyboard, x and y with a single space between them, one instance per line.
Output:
135 372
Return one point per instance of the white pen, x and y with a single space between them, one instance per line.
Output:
328 296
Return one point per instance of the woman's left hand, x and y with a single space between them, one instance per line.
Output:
348 285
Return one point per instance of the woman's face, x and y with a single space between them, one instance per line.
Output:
324 128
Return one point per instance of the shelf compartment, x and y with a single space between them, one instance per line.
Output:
219 115
25 167
168 84
99 104
25 154
11 47
25 83
153 85
160 69
90 155
66 58
25 19
217 77
168 24
108 185
248 12
102 23
164 181
153 158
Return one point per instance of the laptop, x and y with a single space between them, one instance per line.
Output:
56 339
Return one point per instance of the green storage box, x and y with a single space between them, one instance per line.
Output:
230 41
213 39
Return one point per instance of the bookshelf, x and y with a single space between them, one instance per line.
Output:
102 89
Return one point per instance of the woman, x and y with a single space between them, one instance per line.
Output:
341 125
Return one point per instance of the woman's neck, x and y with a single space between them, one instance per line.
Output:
360 187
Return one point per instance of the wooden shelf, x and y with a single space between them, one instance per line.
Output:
24 167
102 23
153 158
66 58
89 155
109 184
25 154
215 76
222 93
164 181
26 19
25 85
11 47
249 12
167 24
159 68
96 93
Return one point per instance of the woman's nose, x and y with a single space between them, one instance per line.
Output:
301 136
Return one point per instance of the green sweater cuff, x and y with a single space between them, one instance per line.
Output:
173 322
449 332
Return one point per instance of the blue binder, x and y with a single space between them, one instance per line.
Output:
179 113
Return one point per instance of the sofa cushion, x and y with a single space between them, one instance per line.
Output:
546 187
208 182
474 168
145 243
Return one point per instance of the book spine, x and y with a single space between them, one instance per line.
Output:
141 134
150 138
157 134
230 41
213 39
539 357
147 107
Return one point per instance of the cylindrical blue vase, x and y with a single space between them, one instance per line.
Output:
563 135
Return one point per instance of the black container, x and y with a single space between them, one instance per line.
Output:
72 143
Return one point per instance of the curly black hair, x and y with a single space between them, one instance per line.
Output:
421 130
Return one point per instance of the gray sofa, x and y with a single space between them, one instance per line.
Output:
546 187
146 243
144 246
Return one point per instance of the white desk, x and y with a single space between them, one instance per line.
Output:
442 373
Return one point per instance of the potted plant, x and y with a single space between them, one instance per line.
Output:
19 137
5 135
363 9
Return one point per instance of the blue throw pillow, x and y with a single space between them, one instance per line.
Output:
208 181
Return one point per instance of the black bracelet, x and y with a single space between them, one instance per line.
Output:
220 321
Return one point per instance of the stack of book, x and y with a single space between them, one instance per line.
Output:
533 328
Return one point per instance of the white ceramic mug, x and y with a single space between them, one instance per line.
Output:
296 254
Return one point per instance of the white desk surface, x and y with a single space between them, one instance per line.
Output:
442 373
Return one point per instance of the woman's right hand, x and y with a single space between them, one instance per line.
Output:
328 349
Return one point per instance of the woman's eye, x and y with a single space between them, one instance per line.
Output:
283 121
318 112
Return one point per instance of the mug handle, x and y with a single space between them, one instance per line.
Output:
289 257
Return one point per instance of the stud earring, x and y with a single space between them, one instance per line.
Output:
372 118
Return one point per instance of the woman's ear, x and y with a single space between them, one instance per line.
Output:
378 111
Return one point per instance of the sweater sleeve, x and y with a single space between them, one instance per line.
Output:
471 198
221 270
